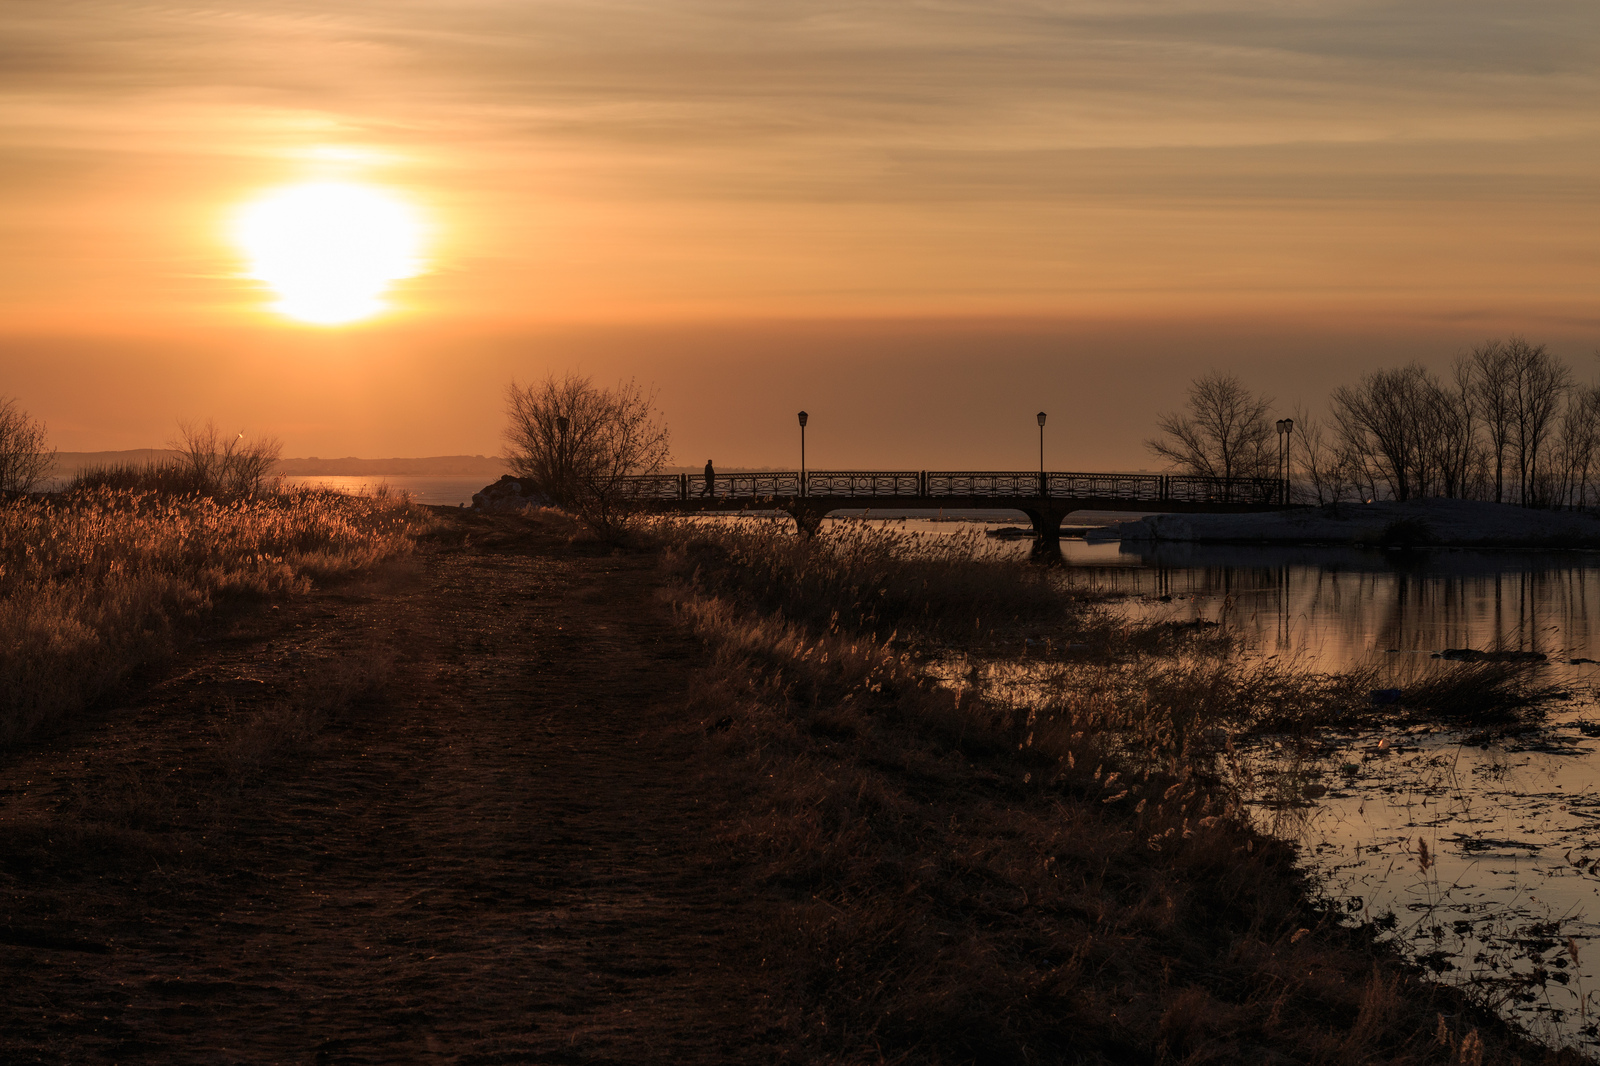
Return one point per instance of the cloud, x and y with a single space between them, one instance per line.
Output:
997 140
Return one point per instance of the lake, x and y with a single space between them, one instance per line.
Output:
447 491
1478 852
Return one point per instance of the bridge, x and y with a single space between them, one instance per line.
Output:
1046 498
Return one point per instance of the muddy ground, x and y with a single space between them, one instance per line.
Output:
447 813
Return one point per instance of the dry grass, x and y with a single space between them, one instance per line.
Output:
868 579
1476 692
98 582
1026 863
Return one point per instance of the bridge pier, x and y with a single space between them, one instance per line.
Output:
808 520
1046 524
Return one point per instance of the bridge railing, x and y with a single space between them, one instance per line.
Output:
981 483
1071 486
1251 490
651 487
955 484
864 483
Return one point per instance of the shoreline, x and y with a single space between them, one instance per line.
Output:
1437 523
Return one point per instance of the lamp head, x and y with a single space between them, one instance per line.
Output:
562 423
1041 419
803 417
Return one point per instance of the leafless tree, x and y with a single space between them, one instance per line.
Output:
1224 432
216 464
1540 383
577 443
1492 388
1567 478
1452 441
1317 461
1380 420
25 458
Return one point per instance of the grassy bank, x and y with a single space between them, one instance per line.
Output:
99 581
1029 857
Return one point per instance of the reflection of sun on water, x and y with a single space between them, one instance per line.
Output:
330 249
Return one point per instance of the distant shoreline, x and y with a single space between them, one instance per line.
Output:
489 466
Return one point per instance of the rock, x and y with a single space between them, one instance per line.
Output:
510 493
1384 696
1473 655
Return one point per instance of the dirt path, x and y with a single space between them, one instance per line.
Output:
500 856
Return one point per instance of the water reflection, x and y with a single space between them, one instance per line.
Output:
1344 608
1478 853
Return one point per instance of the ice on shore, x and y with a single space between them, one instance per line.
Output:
1416 523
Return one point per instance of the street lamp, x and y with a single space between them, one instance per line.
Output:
1285 429
1042 489
803 418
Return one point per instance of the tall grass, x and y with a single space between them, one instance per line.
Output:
1027 857
869 579
208 463
97 581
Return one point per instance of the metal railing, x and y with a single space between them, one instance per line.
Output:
865 483
954 484
1252 490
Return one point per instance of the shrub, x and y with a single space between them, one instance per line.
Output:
24 458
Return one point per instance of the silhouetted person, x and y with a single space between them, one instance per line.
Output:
711 480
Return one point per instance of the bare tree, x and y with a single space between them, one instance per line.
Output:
1224 433
1451 441
1567 478
25 458
1539 384
1315 461
1492 388
1381 421
215 464
577 443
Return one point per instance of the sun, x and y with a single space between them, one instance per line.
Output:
330 249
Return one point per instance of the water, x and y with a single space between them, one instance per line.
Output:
1478 851
447 491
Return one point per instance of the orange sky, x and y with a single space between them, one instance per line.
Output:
922 222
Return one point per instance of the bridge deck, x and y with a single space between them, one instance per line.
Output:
952 489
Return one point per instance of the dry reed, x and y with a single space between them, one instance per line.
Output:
99 581
1024 860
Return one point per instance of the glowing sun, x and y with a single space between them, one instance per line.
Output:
330 249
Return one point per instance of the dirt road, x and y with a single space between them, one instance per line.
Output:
450 815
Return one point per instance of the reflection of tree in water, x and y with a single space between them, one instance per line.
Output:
1354 607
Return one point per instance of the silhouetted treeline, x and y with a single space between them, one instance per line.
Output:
1506 423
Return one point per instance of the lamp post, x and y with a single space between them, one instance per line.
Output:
1288 448
1285 428
1042 488
803 418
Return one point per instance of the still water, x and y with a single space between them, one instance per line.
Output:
1477 850
447 491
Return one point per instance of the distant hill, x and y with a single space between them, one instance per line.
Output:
69 463
437 465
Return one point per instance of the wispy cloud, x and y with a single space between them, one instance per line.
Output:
997 132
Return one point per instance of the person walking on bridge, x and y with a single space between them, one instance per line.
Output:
711 481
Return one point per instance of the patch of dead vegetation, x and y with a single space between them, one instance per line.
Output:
966 877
